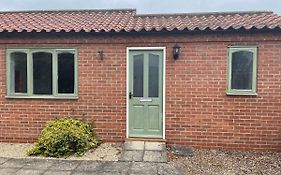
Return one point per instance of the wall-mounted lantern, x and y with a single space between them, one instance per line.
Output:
101 54
176 51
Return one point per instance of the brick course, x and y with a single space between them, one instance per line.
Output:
198 111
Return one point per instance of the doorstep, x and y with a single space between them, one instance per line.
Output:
145 139
144 151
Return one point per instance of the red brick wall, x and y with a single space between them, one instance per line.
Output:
198 111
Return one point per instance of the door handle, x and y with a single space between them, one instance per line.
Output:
130 95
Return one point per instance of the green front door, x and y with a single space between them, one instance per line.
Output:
146 93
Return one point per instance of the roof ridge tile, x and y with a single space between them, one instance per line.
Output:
69 10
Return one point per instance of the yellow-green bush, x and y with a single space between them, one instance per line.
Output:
63 137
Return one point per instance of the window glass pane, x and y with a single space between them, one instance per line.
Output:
153 75
66 73
42 73
242 70
138 75
18 69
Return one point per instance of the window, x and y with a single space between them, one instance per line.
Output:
242 71
66 73
18 77
41 73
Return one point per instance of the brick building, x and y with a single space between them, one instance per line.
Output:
208 80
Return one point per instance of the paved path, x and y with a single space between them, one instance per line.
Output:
30 166
142 151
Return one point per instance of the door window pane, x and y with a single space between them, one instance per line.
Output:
18 72
66 73
42 73
153 87
138 75
242 70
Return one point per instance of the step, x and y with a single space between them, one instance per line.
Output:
144 151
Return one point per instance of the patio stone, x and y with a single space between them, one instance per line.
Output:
97 173
139 151
3 160
121 167
29 166
55 172
29 172
136 156
39 164
89 166
8 171
134 145
111 173
64 165
155 146
155 156
14 163
143 168
83 173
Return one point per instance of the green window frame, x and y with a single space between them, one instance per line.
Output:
252 50
11 93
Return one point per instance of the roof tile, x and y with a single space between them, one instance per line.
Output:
127 20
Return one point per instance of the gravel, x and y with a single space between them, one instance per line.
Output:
219 162
106 151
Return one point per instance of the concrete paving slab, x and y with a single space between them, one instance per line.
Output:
136 156
155 156
56 172
8 171
14 163
64 165
3 160
121 167
143 168
39 164
89 166
97 173
29 172
134 145
111 173
84 173
155 146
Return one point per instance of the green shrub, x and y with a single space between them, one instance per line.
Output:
63 137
